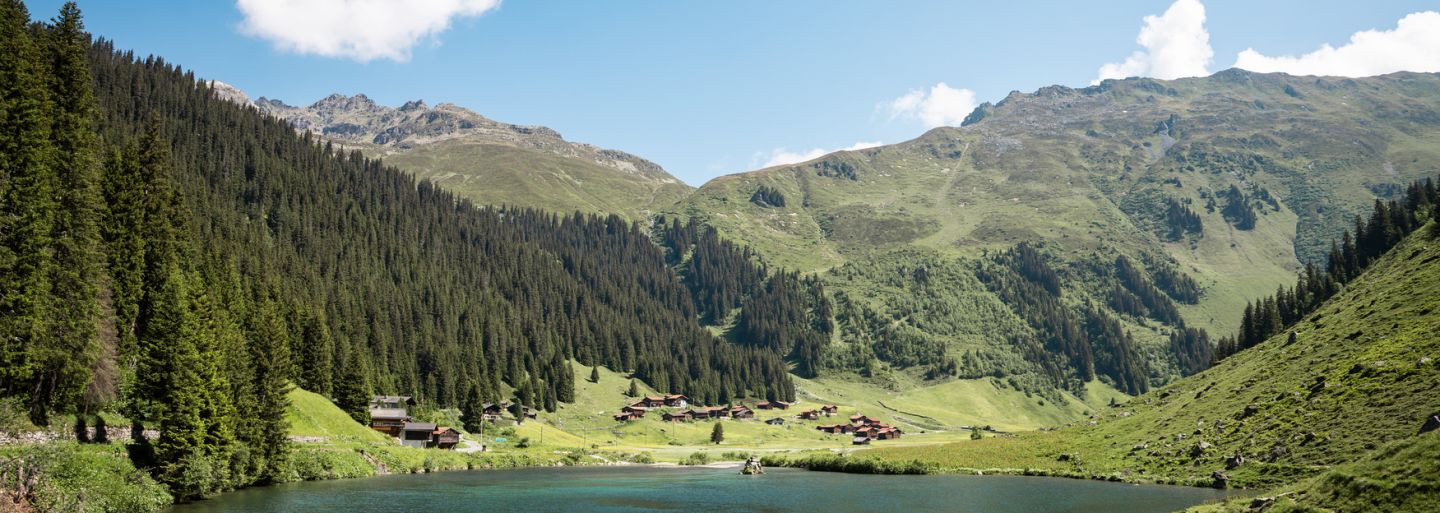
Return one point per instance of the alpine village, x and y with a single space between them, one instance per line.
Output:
1173 289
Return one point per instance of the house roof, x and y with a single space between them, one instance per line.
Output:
654 398
419 426
445 429
388 413
677 396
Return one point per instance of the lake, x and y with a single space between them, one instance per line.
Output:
646 488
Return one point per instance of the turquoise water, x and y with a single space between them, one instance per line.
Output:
641 488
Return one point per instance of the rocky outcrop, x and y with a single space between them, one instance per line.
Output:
359 120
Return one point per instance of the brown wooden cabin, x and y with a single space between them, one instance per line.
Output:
888 433
836 429
677 400
860 440
829 410
700 414
764 405
859 419
627 416
445 437
635 409
719 412
777 421
865 431
417 434
530 413
741 412
492 411
676 416
810 415
780 405
650 402
390 421
391 401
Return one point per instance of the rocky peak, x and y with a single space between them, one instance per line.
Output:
229 92
414 105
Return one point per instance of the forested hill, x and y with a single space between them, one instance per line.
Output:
186 263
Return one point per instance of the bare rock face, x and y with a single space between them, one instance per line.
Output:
1431 424
359 120
230 93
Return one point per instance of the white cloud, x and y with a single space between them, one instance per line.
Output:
1176 45
942 105
782 156
362 30
1414 45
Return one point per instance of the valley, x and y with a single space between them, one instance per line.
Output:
1224 281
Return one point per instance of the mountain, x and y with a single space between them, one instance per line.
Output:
1332 413
1057 222
485 161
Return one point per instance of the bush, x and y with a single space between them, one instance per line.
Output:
696 458
84 479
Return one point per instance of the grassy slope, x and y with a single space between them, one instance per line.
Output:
495 174
1362 373
1084 172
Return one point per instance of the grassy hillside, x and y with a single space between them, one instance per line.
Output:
496 174
1088 175
1359 377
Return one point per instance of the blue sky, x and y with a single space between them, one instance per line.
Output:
709 88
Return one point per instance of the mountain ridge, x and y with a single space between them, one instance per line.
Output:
484 160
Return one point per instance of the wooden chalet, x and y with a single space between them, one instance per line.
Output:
829 410
390 421
391 401
887 433
677 400
777 421
810 415
701 414
764 405
650 402
836 429
627 416
780 405
417 434
865 431
680 416
859 419
741 412
492 411
860 440
445 437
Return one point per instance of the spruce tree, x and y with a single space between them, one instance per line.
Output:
66 368
634 389
595 374
352 392
472 414
27 216
317 353
270 354
717 434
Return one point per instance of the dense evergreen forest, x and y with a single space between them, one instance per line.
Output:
183 260
780 311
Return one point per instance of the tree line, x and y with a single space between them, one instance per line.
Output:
1388 224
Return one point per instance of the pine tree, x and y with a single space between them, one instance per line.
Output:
27 216
634 390
316 355
472 414
595 374
717 434
67 367
352 391
270 354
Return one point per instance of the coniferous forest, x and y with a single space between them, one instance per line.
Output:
184 260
